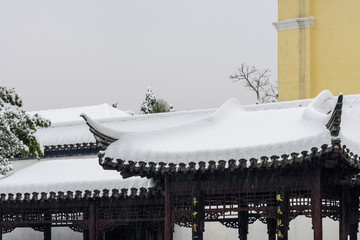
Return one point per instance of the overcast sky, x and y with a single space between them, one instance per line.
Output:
69 53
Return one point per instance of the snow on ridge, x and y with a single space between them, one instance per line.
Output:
71 116
67 127
321 107
79 132
72 130
233 132
278 105
68 175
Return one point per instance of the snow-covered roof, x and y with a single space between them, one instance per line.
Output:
235 132
70 116
68 175
69 128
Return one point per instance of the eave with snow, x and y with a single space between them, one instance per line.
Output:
236 159
68 135
237 137
77 193
239 163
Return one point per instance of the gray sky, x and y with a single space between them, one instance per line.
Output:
69 53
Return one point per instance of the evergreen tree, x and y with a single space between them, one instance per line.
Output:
161 105
17 130
148 103
153 105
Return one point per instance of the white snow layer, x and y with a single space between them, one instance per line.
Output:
70 116
234 132
68 175
69 128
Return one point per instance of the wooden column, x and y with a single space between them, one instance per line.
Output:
92 221
1 220
141 233
47 227
168 228
316 211
344 215
282 216
101 235
86 235
354 229
271 228
197 215
354 211
243 225
47 232
150 234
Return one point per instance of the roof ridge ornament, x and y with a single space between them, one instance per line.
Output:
334 122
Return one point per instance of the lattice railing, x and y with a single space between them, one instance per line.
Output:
299 203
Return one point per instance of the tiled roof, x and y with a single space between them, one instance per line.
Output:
69 135
234 132
68 175
152 169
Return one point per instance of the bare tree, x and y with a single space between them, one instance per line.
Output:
258 81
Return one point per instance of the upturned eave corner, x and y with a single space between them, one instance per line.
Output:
102 139
335 120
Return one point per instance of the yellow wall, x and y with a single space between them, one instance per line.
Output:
324 57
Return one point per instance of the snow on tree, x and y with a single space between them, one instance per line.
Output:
258 81
17 129
153 105
148 103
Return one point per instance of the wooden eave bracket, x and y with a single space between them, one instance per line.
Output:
334 123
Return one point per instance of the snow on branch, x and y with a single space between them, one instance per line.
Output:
17 130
